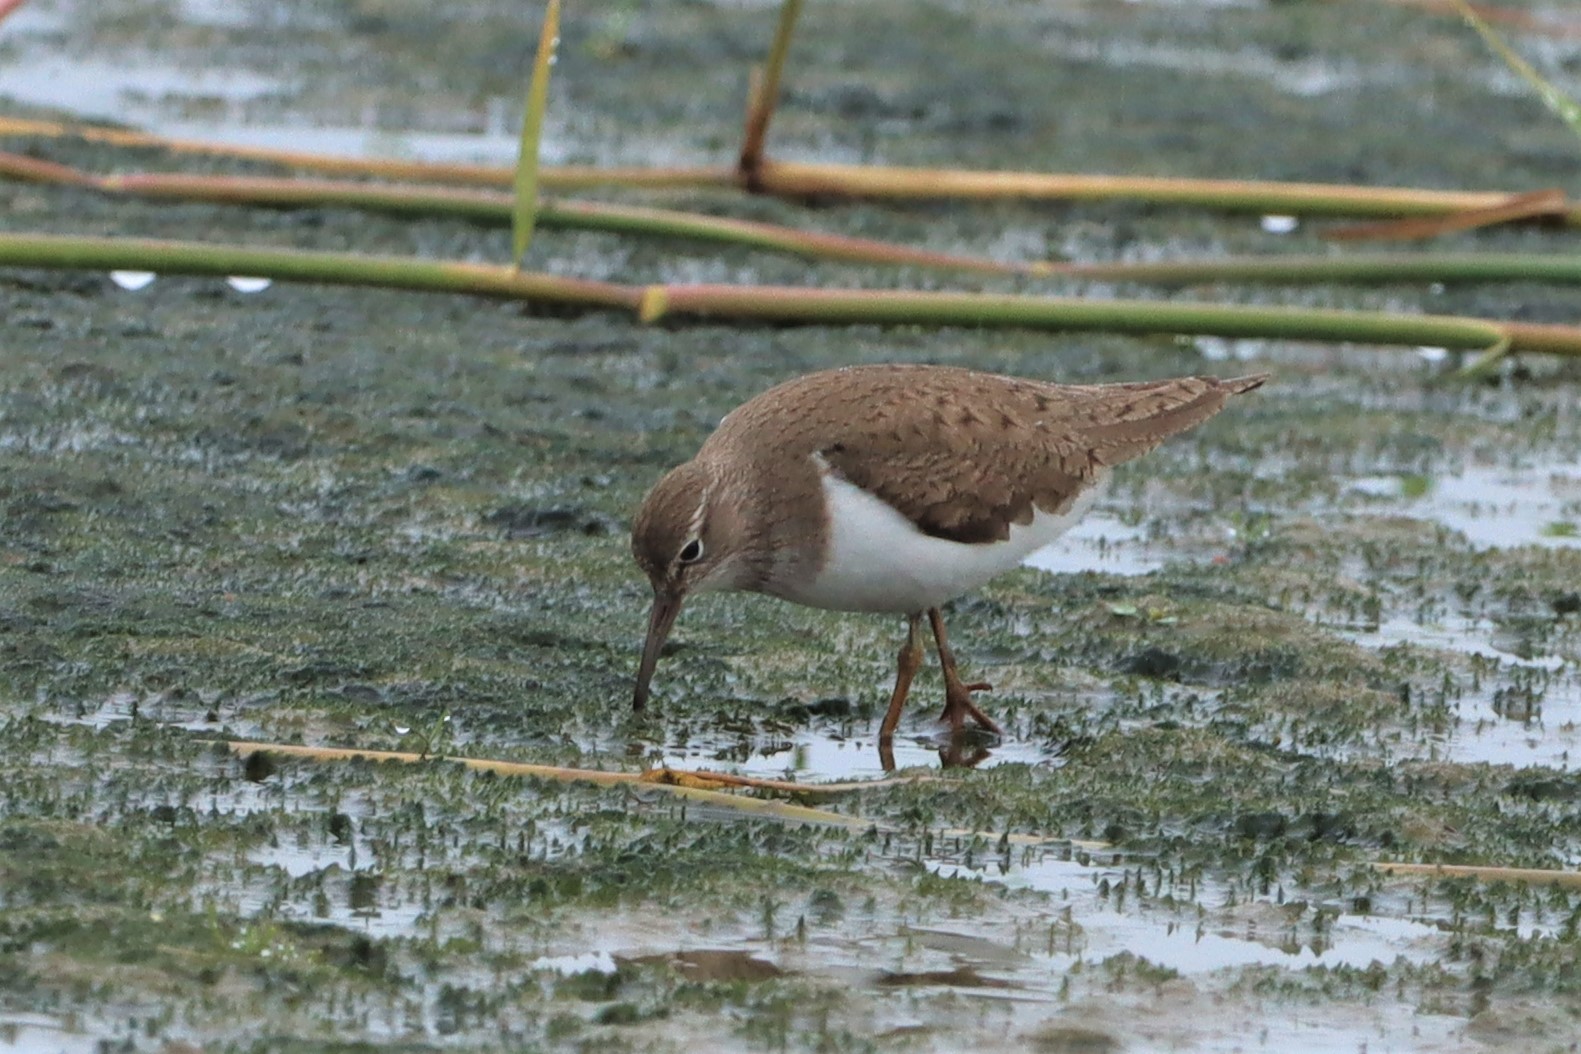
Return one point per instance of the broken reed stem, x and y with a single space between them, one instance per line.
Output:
1521 21
1372 267
653 777
801 179
524 205
555 177
1561 105
634 219
681 787
763 95
1537 205
398 199
850 306
1532 875
785 811
795 304
495 207
200 258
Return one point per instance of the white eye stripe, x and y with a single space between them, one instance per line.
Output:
692 551
701 513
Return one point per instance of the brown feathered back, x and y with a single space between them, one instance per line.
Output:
965 454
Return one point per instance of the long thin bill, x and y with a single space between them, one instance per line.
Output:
660 619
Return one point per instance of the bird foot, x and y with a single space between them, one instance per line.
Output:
958 706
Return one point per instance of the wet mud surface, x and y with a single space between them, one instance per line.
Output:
1340 624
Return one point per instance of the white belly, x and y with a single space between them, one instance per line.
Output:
879 561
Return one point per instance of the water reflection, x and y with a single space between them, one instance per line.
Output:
1494 506
824 752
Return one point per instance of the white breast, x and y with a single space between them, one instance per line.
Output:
879 561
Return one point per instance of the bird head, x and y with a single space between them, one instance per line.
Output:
687 539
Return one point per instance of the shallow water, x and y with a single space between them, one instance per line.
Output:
822 755
278 514
1100 542
1192 942
1493 506
43 1034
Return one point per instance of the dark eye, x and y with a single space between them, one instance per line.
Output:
693 551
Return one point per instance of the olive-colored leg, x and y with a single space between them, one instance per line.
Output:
958 705
909 663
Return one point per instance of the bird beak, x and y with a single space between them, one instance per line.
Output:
665 607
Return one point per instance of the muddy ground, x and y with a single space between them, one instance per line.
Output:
1336 626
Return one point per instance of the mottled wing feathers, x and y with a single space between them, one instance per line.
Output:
1132 419
965 455
964 481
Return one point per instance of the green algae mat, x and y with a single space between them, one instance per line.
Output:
1336 627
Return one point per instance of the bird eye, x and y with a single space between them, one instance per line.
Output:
692 552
